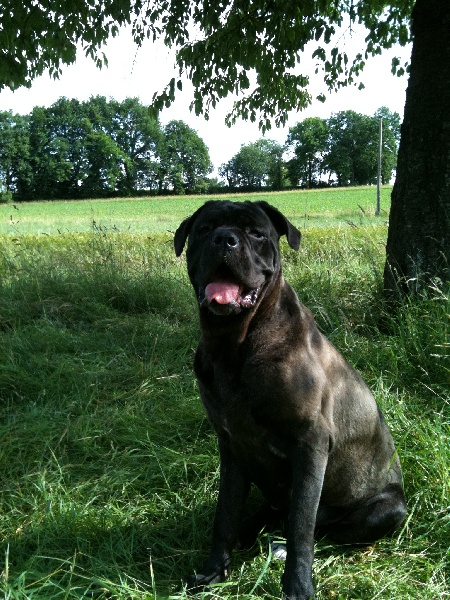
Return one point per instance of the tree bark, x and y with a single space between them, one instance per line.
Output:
418 246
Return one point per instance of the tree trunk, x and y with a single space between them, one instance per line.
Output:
418 246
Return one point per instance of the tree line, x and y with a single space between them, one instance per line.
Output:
98 148
102 147
341 150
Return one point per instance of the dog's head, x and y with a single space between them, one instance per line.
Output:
232 253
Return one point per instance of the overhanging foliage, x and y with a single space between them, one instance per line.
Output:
220 45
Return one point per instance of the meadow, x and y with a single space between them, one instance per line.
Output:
109 469
318 208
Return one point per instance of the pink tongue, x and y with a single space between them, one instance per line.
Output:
222 292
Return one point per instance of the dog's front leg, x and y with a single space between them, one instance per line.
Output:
309 460
233 490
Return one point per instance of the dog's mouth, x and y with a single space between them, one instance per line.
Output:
224 296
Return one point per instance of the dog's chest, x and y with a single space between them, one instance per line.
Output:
240 410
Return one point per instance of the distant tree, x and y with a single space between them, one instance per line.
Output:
213 185
229 172
352 146
15 171
65 152
307 139
92 148
138 134
184 161
251 166
255 165
54 159
276 171
104 164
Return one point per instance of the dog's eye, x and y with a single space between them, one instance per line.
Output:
205 230
257 234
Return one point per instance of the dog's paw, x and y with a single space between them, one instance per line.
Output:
198 582
297 596
296 589
285 597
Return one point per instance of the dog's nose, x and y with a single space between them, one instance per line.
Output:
226 238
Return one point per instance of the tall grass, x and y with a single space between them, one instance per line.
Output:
109 468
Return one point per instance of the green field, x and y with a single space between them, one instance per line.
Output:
109 469
323 207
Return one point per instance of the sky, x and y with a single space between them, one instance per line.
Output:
140 72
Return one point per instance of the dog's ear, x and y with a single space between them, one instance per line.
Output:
281 224
181 234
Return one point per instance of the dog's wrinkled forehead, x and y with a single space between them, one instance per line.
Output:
243 215
233 214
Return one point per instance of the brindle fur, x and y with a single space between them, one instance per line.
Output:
291 415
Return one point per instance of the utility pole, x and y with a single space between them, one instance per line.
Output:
380 146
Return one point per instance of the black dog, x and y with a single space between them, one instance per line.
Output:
291 415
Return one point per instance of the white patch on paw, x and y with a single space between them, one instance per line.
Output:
278 550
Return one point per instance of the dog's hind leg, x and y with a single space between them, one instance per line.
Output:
378 516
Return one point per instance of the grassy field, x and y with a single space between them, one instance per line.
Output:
109 469
324 207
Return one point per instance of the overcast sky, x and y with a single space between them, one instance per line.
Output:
140 72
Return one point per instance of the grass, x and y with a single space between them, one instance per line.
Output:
322 207
109 468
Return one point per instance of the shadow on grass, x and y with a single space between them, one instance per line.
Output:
81 554
101 557
109 468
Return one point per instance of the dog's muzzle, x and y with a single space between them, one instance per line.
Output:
224 292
